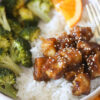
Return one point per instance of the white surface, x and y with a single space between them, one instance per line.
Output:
2 97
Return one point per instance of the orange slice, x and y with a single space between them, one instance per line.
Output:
71 9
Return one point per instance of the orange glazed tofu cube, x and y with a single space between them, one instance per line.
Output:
93 62
49 47
39 72
81 84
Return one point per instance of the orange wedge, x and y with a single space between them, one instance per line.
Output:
71 10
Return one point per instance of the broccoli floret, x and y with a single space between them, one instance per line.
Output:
30 33
30 23
20 52
25 14
12 6
7 62
5 37
3 19
5 33
15 26
27 18
7 81
40 8
9 5
4 43
19 4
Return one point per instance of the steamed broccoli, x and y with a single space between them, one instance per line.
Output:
12 6
5 33
30 23
20 52
15 26
5 37
9 5
40 8
7 81
3 19
27 18
4 43
7 62
26 14
30 33
19 4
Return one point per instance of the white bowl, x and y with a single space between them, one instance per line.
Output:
92 95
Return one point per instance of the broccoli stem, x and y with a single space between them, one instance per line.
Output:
8 90
7 62
3 19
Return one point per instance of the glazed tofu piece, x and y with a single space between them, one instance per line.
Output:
81 84
70 75
93 62
87 48
73 56
84 47
49 47
39 72
55 67
66 41
82 33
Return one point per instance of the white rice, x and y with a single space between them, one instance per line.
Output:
29 89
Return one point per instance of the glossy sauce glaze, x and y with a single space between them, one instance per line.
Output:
72 57
97 97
